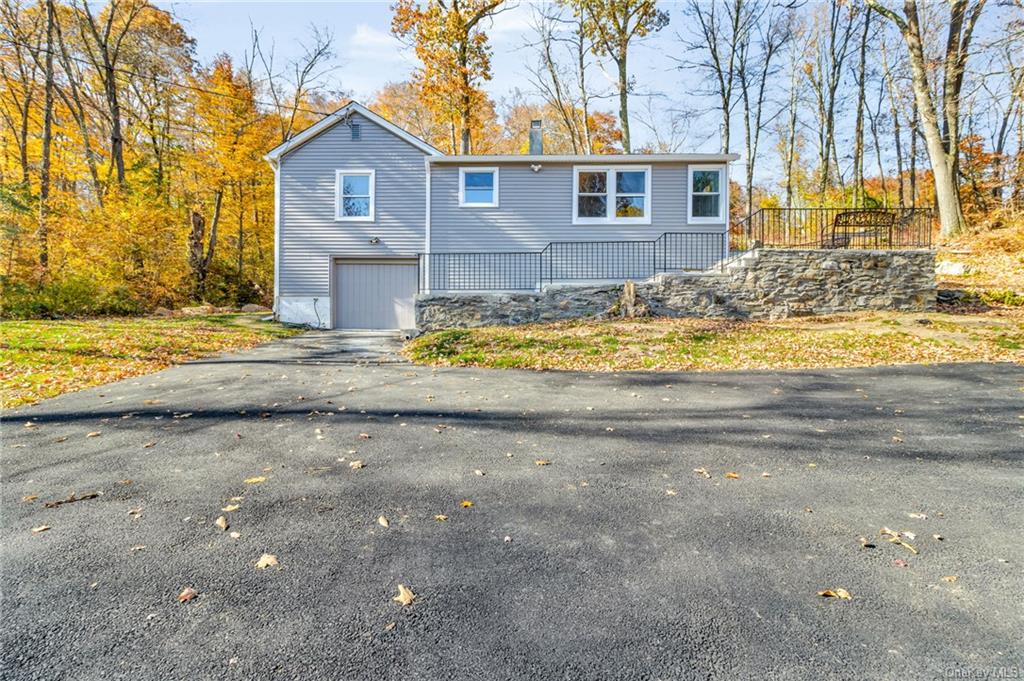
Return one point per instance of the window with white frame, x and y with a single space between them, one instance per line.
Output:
612 195
355 191
478 187
708 199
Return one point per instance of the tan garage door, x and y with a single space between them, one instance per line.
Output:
374 294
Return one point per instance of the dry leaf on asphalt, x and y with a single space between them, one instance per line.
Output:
364 436
383 522
135 513
187 595
895 538
405 595
30 497
732 475
702 472
918 516
231 507
148 445
355 464
266 560
440 517
41 528
950 578
466 503
221 522
255 480
542 462
478 472
841 594
94 433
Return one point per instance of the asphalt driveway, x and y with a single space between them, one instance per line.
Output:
616 560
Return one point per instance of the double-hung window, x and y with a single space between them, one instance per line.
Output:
708 198
612 195
478 187
355 191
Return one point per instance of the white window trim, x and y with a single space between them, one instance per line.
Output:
723 192
338 217
462 187
610 218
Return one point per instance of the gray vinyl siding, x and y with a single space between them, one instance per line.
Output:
309 234
536 208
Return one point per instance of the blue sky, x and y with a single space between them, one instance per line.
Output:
368 56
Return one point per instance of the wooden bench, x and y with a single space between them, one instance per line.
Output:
860 228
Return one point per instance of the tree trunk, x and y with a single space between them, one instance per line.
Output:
44 173
858 135
620 61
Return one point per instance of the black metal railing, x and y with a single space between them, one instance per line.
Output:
834 228
572 261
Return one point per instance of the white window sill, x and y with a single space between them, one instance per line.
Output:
353 218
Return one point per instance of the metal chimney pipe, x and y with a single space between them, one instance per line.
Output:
536 137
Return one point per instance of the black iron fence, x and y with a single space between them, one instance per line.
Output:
573 261
883 228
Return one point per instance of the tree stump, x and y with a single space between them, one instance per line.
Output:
630 305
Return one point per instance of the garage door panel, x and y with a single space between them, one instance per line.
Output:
375 295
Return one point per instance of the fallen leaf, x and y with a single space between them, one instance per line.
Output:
355 464
94 433
732 475
895 538
41 528
148 445
766 474
187 595
405 595
899 562
610 429
221 522
918 516
938 537
865 543
29 497
950 578
364 436
231 507
542 462
266 560
151 401
440 517
137 547
235 535
841 594
478 472
897 439
255 480
702 472
466 503
135 512
383 522
670 492
812 465
389 626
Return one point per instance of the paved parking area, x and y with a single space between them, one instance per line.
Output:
630 555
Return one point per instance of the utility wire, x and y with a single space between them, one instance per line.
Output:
162 81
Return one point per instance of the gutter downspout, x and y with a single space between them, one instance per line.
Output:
425 274
276 165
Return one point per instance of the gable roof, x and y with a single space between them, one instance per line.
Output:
328 122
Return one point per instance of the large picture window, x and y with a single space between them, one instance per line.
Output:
612 195
478 187
355 191
708 199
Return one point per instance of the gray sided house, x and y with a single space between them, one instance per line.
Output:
368 216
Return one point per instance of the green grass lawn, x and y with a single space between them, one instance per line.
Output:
851 340
44 358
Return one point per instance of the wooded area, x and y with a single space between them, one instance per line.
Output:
131 174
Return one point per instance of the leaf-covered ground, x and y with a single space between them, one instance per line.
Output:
996 261
45 358
861 339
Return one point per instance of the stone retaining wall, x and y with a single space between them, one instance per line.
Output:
763 284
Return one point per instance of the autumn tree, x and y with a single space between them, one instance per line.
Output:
613 26
942 139
450 42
